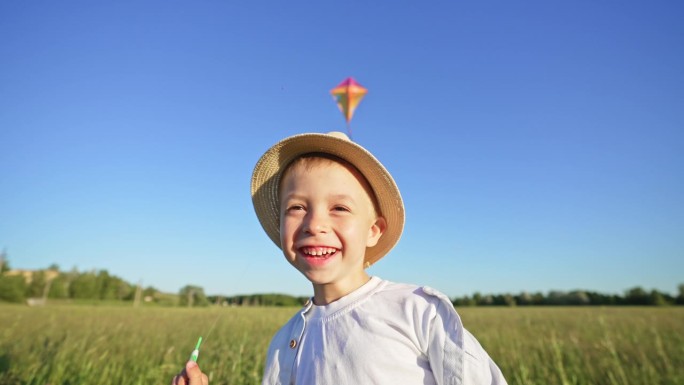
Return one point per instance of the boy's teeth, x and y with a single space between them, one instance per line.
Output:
316 251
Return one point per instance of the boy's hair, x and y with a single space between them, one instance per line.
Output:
268 172
313 159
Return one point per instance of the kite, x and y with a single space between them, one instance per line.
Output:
348 95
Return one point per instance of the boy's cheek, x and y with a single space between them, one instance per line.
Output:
289 255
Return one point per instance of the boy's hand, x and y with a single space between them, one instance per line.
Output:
191 375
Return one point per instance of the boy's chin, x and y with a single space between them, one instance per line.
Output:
317 277
324 278
321 278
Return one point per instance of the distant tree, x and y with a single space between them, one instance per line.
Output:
600 299
69 278
680 297
577 297
660 299
84 286
60 287
12 288
538 298
37 285
192 296
101 282
524 299
637 296
274 300
107 285
478 298
556 297
498 300
124 290
151 293
53 267
4 263
463 301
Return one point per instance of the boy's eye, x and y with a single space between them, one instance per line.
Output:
341 208
295 208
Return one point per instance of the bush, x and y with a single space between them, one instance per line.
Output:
12 288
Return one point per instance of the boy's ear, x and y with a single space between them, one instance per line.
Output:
376 231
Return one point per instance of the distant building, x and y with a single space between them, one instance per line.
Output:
28 274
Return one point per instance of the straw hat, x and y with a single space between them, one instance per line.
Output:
268 170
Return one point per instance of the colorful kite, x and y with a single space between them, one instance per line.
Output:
348 95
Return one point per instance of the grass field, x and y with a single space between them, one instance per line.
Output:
105 345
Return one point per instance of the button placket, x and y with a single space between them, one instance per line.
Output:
294 341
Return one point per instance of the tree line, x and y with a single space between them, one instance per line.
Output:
271 299
51 283
636 296
19 286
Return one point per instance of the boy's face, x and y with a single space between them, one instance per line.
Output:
327 220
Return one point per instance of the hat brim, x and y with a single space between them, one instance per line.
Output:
269 168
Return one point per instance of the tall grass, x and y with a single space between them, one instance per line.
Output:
583 345
116 345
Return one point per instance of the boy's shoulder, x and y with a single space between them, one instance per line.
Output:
405 292
412 289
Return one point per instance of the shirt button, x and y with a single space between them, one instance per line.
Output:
293 343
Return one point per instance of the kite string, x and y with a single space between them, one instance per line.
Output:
222 312
211 329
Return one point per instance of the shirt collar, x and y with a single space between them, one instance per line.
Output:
333 307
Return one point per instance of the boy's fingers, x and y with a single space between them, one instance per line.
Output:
178 380
195 375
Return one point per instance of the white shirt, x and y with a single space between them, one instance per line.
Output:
382 333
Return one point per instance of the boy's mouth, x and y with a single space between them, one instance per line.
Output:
318 252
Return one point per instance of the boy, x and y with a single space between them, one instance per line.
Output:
334 210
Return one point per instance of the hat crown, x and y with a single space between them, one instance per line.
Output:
338 134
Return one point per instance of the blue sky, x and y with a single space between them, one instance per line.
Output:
538 145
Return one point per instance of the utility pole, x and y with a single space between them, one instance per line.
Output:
46 289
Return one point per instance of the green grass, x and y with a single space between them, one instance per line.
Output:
583 345
78 344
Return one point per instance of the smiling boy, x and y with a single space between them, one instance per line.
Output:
334 210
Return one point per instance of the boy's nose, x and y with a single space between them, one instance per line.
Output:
315 223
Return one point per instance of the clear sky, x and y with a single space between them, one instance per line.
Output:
538 145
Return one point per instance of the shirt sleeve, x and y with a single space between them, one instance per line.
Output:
456 357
